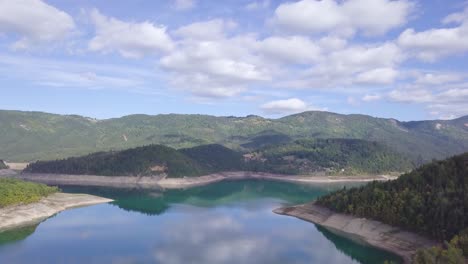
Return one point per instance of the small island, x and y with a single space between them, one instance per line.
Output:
25 203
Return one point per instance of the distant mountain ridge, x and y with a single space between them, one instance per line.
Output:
27 136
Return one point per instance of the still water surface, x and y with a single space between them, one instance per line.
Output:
227 222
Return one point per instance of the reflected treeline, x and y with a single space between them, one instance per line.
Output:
17 234
357 251
155 201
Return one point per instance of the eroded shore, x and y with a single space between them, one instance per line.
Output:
185 182
362 230
22 215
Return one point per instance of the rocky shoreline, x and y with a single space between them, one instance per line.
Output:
370 232
185 182
27 214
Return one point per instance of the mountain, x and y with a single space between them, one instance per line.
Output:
431 199
30 136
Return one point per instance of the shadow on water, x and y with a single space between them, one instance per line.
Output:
155 202
17 234
358 251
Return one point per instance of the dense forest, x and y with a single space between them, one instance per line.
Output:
13 191
148 160
215 158
453 252
327 156
332 156
430 200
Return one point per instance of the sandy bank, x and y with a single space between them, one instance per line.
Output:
363 230
185 182
21 215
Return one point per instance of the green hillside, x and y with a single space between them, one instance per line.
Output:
322 156
30 136
215 158
332 156
148 160
431 200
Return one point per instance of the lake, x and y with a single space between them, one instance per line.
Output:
226 222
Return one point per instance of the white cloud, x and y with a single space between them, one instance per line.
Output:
258 5
129 39
34 21
433 44
184 4
205 30
437 78
377 76
411 96
356 64
295 49
443 103
287 106
372 17
371 97
208 63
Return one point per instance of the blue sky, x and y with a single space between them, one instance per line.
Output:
405 59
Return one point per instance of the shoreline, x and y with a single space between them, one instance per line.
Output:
26 214
186 182
361 230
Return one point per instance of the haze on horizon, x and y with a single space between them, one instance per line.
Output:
404 59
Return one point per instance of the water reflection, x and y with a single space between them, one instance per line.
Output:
155 202
228 222
16 235
356 250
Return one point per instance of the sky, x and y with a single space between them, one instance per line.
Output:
404 59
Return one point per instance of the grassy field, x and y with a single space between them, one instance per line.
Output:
13 191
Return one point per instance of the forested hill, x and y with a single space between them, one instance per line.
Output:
431 200
27 136
330 156
147 160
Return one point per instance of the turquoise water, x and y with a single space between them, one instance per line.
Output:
227 222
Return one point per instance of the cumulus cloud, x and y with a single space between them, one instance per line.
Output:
208 63
377 76
372 17
295 49
351 65
287 106
34 21
184 4
129 39
205 30
432 44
